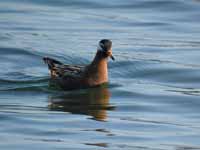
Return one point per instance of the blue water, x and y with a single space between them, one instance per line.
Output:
152 101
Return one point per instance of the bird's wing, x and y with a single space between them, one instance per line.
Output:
58 69
69 70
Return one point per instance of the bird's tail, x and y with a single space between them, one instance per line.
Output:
52 63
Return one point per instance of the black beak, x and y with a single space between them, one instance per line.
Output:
112 57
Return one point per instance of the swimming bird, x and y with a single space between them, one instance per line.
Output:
70 77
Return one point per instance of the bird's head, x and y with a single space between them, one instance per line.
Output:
105 46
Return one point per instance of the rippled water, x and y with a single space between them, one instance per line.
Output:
152 101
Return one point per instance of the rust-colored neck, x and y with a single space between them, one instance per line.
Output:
99 58
97 70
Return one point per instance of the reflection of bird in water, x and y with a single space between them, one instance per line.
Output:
93 102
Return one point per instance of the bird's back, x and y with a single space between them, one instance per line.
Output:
65 76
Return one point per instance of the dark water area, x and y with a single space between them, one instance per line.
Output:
152 101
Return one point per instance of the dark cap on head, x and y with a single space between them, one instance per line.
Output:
105 44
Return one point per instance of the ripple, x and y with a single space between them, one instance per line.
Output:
16 51
153 93
98 144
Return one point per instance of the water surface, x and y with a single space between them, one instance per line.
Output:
152 101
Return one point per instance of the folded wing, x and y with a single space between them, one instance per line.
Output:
58 69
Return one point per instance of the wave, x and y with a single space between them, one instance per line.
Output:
26 88
4 81
168 5
17 51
